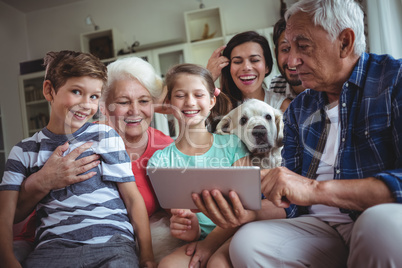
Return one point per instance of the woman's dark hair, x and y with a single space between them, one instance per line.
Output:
222 105
228 86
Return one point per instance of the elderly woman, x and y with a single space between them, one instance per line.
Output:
128 105
132 92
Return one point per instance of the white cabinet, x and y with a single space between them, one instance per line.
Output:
205 32
166 57
104 44
163 59
34 107
203 24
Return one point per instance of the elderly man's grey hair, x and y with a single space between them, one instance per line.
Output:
334 16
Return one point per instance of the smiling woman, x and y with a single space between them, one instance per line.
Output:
132 90
250 61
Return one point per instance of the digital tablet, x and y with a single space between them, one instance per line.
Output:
174 186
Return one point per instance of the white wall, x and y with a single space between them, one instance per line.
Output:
146 21
13 50
385 27
29 36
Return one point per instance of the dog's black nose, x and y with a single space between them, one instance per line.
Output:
259 131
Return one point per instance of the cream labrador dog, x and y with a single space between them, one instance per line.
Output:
260 127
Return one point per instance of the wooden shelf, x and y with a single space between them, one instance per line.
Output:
34 108
203 44
104 44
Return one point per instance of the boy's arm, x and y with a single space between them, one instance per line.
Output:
58 172
8 201
139 219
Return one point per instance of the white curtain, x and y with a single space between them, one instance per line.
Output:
384 18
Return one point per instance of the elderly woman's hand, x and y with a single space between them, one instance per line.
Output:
58 172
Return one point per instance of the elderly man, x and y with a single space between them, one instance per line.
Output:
340 186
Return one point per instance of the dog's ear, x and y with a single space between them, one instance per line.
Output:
225 126
279 127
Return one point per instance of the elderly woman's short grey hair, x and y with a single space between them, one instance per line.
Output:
133 68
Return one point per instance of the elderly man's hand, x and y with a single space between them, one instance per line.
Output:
282 187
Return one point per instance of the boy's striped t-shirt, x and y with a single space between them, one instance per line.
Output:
90 211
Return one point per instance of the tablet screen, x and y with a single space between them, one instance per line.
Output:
174 186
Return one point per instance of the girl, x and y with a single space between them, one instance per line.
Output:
193 99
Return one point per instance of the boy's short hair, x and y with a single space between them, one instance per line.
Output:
65 64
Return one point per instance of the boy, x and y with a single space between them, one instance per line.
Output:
85 224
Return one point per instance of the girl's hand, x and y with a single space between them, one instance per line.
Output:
149 264
200 251
184 225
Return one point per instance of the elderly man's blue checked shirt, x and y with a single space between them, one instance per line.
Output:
370 107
